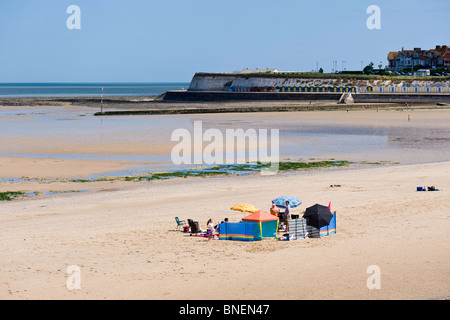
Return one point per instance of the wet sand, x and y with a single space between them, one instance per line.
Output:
73 133
54 168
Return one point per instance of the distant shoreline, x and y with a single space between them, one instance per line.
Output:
221 96
74 100
154 105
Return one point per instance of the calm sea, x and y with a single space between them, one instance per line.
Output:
88 89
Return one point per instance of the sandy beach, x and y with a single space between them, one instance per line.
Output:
120 119
127 248
123 237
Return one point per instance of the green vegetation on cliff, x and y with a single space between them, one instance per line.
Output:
318 75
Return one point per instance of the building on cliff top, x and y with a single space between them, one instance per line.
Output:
431 59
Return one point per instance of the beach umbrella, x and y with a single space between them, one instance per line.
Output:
318 216
280 202
244 207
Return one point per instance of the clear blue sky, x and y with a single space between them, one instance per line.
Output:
152 41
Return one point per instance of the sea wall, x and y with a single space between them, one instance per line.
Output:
400 97
212 96
217 96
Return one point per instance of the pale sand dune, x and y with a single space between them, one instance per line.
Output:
127 248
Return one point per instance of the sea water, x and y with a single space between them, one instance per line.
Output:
17 90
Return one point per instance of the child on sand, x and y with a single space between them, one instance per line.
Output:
210 226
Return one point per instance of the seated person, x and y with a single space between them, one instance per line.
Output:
217 225
274 210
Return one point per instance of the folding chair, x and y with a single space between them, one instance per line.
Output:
180 223
194 226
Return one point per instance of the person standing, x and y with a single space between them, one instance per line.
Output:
287 215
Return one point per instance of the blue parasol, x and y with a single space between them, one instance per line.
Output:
280 202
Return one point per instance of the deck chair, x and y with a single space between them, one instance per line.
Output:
194 226
180 223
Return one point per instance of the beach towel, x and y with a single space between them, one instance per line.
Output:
206 235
